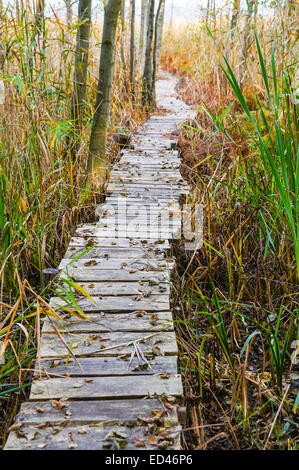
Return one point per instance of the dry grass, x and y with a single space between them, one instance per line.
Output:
238 285
42 195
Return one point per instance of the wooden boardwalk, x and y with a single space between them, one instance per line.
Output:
126 391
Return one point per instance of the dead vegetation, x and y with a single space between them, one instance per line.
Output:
237 297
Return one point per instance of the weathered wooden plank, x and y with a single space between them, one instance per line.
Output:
114 252
106 367
105 233
100 232
115 263
144 172
159 180
156 219
159 175
126 209
142 220
116 199
136 225
143 216
149 199
161 155
92 274
129 321
163 226
135 153
123 200
160 190
147 289
115 387
150 233
155 182
108 344
89 437
144 187
86 238
149 165
111 209
107 412
151 144
116 303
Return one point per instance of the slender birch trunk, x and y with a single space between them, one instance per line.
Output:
147 96
69 13
81 60
132 48
157 26
160 25
142 37
123 37
96 167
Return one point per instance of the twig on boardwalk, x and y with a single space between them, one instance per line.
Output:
123 345
140 356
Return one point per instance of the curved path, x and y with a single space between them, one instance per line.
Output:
127 385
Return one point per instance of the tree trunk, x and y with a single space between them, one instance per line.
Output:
158 31
142 39
147 95
81 60
96 167
69 13
123 36
132 48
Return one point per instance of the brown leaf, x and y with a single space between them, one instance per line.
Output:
155 418
39 410
60 403
139 443
92 262
152 439
55 363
